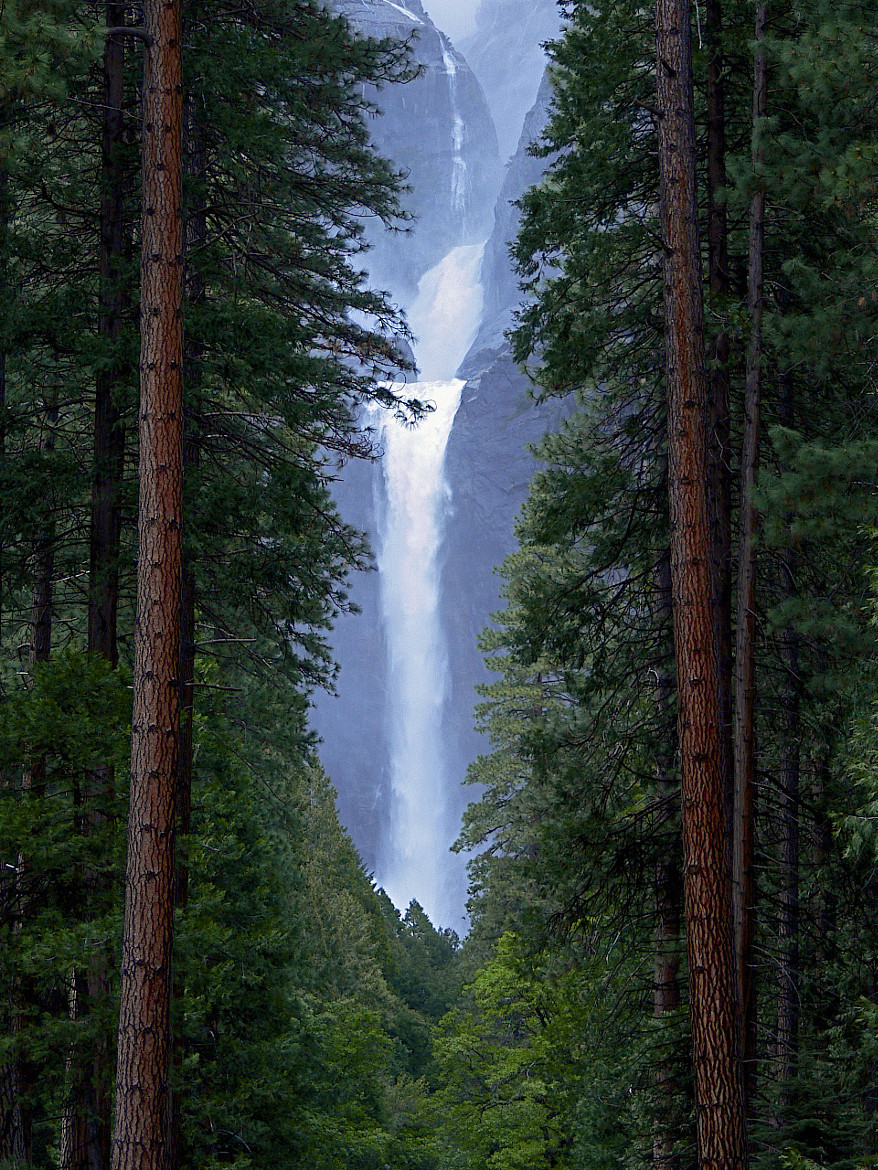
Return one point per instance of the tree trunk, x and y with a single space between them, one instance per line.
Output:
743 885
141 1138
85 1143
787 1036
718 1093
24 993
666 985
719 453
109 434
43 572
11 1119
195 234
787 1058
826 910
4 228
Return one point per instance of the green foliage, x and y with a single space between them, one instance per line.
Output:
302 1000
528 1066
72 719
576 827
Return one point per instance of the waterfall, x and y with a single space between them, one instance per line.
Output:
414 861
458 163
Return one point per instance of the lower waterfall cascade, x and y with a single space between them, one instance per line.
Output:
414 858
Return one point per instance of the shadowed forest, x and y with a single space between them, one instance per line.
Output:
672 845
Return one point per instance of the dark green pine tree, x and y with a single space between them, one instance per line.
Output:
578 817
285 341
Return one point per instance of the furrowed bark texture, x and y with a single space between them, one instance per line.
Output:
141 1138
719 1103
666 937
195 234
743 885
719 455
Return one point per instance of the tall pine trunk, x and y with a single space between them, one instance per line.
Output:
141 1137
666 964
195 233
743 884
719 454
85 1135
11 1130
718 1092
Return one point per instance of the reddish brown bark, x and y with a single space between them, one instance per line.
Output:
719 454
718 1094
141 1137
668 886
743 884
195 234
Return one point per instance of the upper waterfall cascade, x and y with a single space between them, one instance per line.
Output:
458 164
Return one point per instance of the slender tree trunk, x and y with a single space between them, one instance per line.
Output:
33 785
4 230
668 886
184 819
743 884
787 1059
11 1128
195 234
85 1143
718 1092
787 1037
719 453
43 571
142 1137
826 910
109 433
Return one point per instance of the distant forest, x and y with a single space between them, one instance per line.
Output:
673 956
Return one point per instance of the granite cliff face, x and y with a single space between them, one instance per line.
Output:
438 130
505 54
500 283
487 464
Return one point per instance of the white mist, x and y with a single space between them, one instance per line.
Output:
415 861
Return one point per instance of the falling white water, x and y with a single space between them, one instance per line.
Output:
458 163
414 860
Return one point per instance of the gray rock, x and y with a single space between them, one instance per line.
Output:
505 54
488 461
438 130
